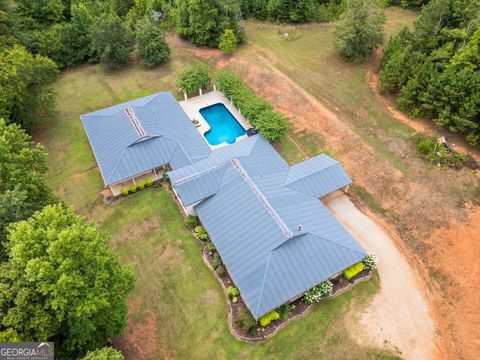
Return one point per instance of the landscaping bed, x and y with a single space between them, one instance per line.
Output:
241 322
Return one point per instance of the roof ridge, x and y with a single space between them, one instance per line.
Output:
118 163
197 174
262 198
262 287
286 183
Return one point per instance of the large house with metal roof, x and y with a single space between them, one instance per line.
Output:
266 219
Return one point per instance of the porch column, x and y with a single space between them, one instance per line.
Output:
185 95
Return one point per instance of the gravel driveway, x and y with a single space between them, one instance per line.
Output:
398 316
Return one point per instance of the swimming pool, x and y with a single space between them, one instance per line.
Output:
223 125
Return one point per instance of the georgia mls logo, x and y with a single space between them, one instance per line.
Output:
26 351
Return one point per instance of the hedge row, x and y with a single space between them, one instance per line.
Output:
257 111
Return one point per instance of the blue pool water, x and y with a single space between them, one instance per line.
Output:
223 126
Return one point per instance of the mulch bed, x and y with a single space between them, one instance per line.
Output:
340 284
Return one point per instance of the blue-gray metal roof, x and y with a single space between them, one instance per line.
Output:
317 176
121 152
276 242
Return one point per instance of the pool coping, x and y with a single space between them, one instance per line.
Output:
192 108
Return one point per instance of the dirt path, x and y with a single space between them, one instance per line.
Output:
399 301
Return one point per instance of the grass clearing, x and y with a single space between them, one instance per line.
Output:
147 232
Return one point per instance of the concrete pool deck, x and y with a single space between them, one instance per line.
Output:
193 106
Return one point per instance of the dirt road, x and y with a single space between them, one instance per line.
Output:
400 301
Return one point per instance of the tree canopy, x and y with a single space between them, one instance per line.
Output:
152 48
26 96
434 69
359 30
106 353
112 40
204 21
193 78
23 189
62 283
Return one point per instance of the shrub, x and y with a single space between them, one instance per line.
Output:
228 41
235 299
149 182
165 175
217 262
201 233
191 221
370 262
316 293
245 322
353 270
272 125
124 191
210 247
285 310
268 318
256 110
133 188
438 154
220 271
232 292
193 78
140 185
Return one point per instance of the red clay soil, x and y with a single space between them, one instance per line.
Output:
455 251
139 340
420 204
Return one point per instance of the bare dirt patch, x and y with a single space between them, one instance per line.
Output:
139 340
455 253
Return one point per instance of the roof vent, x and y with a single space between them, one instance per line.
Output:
300 227
135 122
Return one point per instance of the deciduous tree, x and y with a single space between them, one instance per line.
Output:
359 30
152 48
62 283
112 40
228 41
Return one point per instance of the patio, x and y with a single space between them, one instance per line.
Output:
193 106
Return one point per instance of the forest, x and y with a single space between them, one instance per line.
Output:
431 70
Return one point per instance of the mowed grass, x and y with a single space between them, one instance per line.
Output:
147 232
313 63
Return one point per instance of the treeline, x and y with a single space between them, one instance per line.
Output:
58 279
40 37
434 69
292 11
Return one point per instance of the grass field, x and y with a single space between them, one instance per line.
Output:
177 301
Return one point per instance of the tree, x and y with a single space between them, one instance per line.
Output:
434 70
204 21
359 30
228 41
61 283
193 78
23 188
112 40
291 10
25 83
152 48
43 12
106 353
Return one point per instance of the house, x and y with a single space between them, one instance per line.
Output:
137 139
266 219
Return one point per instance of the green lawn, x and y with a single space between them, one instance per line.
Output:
147 232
